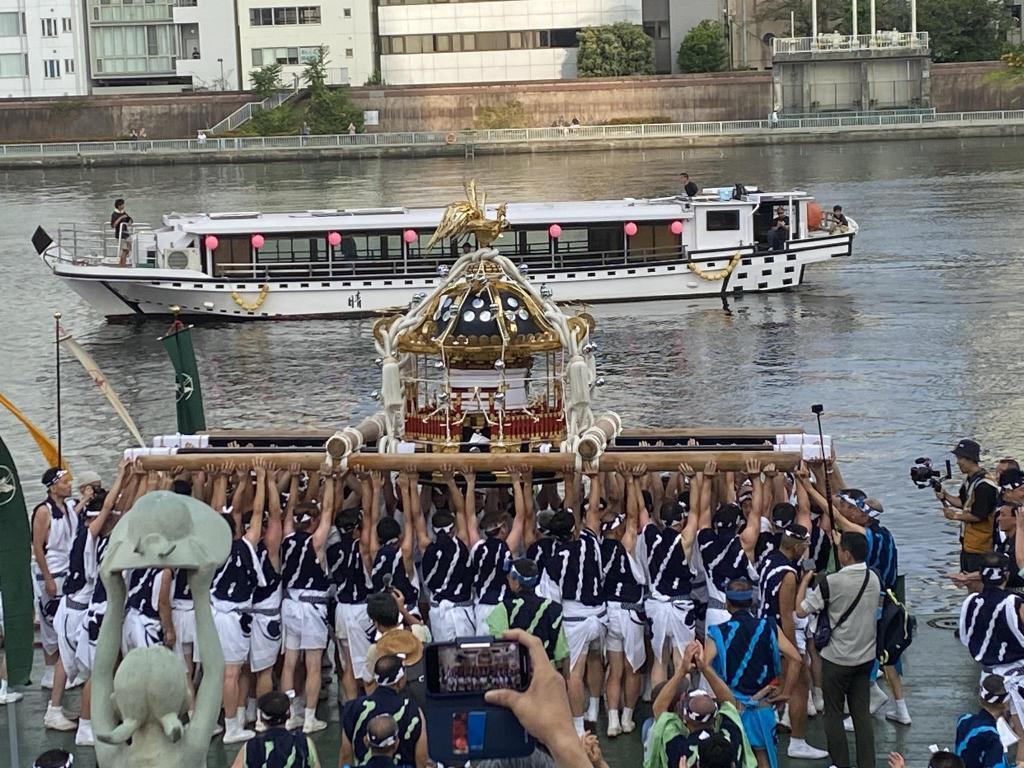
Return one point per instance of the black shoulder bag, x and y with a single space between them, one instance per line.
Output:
823 632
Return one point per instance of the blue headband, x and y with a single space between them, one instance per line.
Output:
739 595
526 581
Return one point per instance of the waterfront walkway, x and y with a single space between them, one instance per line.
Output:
941 684
867 126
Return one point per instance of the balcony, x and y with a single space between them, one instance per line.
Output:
131 14
834 45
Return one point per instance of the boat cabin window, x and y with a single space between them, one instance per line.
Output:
233 254
363 247
292 250
596 239
727 220
654 239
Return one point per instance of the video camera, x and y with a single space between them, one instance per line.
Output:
924 475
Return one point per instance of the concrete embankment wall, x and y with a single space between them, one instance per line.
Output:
671 98
87 118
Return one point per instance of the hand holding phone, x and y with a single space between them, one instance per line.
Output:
807 565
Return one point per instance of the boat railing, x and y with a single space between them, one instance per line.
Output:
99 245
427 266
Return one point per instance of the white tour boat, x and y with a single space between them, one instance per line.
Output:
356 262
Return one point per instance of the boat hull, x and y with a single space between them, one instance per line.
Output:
121 294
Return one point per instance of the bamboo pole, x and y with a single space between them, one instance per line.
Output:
656 461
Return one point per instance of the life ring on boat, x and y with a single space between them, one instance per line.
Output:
717 274
450 138
253 305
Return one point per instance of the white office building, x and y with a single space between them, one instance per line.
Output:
161 46
290 35
437 41
42 51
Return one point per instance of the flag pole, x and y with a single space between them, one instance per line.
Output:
56 352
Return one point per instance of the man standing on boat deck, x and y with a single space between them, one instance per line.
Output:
974 506
122 223
689 188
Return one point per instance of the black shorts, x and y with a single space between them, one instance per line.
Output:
970 562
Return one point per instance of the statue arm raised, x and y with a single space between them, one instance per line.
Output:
208 696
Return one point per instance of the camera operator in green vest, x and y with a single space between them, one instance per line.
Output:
974 506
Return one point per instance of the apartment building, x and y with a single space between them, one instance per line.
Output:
290 35
41 49
440 41
161 46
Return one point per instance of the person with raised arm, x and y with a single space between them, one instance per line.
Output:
670 607
304 606
265 632
493 552
573 575
391 545
623 587
448 569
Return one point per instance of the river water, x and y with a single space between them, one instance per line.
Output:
910 344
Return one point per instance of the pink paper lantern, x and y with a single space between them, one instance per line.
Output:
257 241
676 227
334 238
630 228
410 236
211 242
555 231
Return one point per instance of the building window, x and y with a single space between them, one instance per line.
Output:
309 14
49 27
261 17
11 24
285 16
264 56
481 41
13 65
69 66
65 24
349 53
346 12
308 53
51 68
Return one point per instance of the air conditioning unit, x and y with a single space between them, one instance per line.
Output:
181 258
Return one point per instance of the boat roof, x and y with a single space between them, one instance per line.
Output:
397 218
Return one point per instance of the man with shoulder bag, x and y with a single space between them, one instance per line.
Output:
846 603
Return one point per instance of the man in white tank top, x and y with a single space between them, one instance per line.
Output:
54 524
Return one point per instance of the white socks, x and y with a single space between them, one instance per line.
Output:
309 714
296 703
593 709
250 710
3 688
614 726
578 724
627 720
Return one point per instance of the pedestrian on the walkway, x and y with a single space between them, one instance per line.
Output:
848 601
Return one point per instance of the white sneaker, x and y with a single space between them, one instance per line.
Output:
848 724
55 720
9 697
293 722
899 713
784 720
84 736
628 726
878 698
312 725
47 680
801 750
236 734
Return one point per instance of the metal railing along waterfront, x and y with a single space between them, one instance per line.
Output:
810 125
244 113
833 41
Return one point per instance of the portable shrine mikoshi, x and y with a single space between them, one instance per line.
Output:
484 374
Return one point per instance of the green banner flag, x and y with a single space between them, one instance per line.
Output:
15 572
188 394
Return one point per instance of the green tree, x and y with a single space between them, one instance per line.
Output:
266 81
330 110
614 50
703 48
376 78
964 30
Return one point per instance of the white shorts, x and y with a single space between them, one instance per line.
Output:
585 628
68 624
481 612
47 607
449 621
800 630
304 624
89 633
184 632
626 634
672 621
354 630
140 631
233 632
265 640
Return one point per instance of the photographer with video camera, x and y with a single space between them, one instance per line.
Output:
974 506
